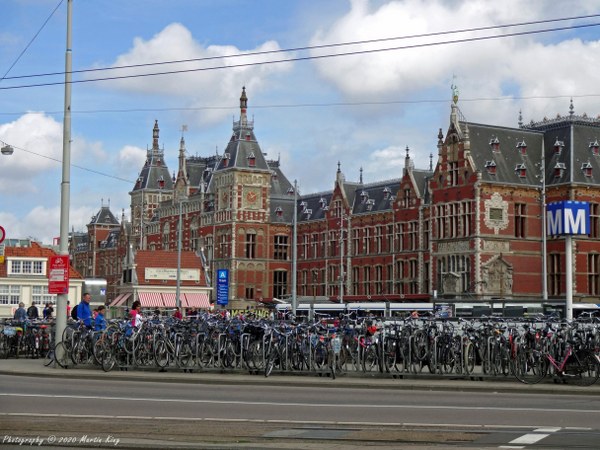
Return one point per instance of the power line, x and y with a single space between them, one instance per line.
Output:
313 47
306 58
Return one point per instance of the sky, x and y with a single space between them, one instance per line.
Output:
184 62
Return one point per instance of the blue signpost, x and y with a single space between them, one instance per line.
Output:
222 287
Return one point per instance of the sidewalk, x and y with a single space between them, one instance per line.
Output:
36 368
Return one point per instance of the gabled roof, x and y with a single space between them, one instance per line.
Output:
104 217
374 197
33 251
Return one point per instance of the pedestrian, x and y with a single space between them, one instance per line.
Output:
136 314
177 314
20 313
32 312
99 320
48 310
84 312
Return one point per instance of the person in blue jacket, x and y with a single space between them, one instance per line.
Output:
100 321
84 313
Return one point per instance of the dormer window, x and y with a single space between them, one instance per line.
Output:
307 212
364 196
490 166
370 204
595 148
495 144
279 211
274 176
522 146
139 181
251 160
521 170
386 193
587 169
247 136
303 205
559 169
290 191
322 202
226 159
558 146
161 182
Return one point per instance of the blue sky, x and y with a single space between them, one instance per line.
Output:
362 110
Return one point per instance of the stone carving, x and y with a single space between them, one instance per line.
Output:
496 213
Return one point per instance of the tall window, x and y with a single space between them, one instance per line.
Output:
467 218
251 245
594 220
520 220
249 292
413 235
315 245
281 247
356 241
426 234
367 240
367 280
333 243
440 219
594 274
379 239
165 236
414 276
399 237
378 280
390 279
453 172
209 247
304 247
356 280
390 238
554 274
279 283
400 276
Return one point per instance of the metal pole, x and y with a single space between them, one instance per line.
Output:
342 259
295 250
65 187
544 238
178 288
569 275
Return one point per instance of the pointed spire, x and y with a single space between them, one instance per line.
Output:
243 107
571 108
520 119
431 162
361 174
155 134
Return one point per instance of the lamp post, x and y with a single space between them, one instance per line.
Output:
65 191
342 218
178 285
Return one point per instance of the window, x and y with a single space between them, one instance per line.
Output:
414 274
399 237
594 220
378 280
332 244
594 274
165 236
390 238
337 208
281 247
250 245
304 247
366 241
10 294
356 241
249 292
279 283
356 281
466 218
520 220
413 235
453 172
27 267
40 296
367 280
315 245
406 199
400 276
379 239
554 275
390 279
426 234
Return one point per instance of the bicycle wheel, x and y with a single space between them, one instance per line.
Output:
370 359
185 357
470 358
584 367
529 366
161 353
61 355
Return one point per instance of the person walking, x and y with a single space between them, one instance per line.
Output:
20 313
48 310
32 312
84 313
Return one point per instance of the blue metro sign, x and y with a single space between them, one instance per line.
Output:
222 287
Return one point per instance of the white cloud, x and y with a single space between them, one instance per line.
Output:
534 65
198 88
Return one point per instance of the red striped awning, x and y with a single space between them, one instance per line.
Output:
151 299
197 301
120 300
170 299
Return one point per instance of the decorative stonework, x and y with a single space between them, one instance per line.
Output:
453 247
496 246
496 213
497 275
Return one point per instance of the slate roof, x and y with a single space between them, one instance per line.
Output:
104 217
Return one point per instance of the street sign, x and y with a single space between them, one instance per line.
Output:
2 234
222 287
58 274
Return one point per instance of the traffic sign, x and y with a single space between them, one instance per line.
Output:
58 278
2 234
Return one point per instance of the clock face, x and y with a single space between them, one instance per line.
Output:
252 198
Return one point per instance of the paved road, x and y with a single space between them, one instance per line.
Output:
224 410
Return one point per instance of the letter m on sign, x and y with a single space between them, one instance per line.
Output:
567 218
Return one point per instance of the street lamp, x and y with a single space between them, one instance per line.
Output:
178 285
7 150
342 218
